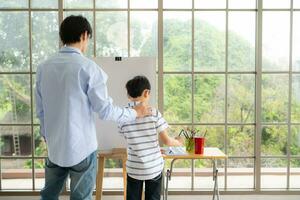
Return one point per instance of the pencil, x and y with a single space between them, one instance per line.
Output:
205 133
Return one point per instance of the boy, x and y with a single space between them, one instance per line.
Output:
144 159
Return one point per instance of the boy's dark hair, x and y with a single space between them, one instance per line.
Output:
137 85
73 27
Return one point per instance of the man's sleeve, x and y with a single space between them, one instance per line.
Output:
161 123
101 102
39 103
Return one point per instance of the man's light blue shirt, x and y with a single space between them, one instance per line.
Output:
69 88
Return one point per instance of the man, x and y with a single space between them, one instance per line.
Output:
69 87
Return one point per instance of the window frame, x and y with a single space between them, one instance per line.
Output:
258 124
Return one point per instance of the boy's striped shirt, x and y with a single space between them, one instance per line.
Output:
144 159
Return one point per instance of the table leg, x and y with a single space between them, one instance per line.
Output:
124 177
215 178
168 175
168 178
193 174
99 179
163 184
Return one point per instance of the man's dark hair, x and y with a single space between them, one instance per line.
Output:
137 85
73 27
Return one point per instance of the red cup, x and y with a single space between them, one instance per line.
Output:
199 145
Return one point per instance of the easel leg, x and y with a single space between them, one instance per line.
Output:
143 191
124 177
99 179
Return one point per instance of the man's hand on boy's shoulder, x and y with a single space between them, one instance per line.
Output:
142 110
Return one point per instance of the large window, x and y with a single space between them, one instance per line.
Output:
230 67
209 83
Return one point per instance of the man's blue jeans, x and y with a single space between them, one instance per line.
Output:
82 175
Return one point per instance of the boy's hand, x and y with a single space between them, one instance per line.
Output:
142 110
180 140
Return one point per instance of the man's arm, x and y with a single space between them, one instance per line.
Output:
39 104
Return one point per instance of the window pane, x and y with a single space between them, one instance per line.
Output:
276 3
143 3
16 174
242 4
39 165
210 3
14 41
89 16
177 41
295 173
13 3
182 167
111 3
240 173
240 141
296 41
111 33
275 41
39 143
44 3
295 140
143 33
45 39
273 173
177 4
182 164
181 175
241 41
110 182
177 98
209 41
78 3
274 98
174 130
241 98
296 3
15 140
112 175
295 104
35 119
209 98
14 99
274 140
215 136
203 174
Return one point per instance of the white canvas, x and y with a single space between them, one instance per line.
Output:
119 72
